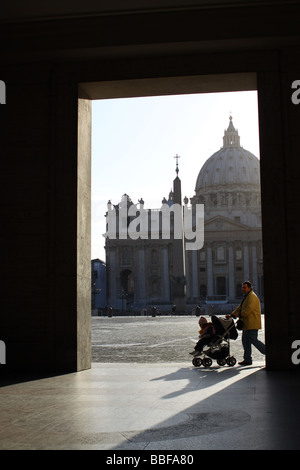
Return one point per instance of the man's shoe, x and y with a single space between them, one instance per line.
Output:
245 363
193 352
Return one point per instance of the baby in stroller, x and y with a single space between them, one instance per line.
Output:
216 336
207 332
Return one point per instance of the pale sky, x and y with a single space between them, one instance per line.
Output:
135 140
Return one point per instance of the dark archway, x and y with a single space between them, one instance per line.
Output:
46 216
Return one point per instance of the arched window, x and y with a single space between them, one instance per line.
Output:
127 282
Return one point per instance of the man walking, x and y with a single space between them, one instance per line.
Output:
249 312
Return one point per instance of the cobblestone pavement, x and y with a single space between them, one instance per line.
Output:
152 339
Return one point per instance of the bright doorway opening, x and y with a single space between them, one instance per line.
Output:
134 142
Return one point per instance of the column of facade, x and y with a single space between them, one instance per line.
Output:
231 277
165 276
195 282
246 262
141 294
188 275
254 267
209 269
112 279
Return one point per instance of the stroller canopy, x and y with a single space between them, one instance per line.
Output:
223 325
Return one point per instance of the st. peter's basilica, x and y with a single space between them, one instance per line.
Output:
161 272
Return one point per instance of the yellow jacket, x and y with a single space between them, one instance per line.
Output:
249 312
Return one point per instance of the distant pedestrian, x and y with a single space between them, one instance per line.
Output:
249 313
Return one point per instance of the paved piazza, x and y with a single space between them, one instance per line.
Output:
142 339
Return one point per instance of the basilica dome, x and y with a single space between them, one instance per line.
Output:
231 166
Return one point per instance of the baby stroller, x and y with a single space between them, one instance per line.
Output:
219 347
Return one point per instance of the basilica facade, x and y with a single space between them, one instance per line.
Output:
159 271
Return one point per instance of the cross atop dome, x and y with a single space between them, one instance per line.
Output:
177 169
231 136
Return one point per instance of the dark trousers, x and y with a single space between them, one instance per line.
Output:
202 342
249 337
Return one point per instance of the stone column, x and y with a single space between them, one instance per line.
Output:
195 282
246 262
210 285
254 267
165 270
141 294
112 277
231 277
188 275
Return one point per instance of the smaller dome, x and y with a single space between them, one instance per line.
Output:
231 165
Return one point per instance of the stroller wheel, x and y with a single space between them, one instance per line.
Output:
197 361
207 362
221 362
231 361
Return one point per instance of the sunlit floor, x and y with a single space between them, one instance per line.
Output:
158 406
